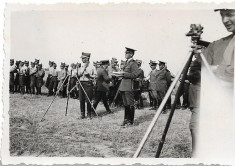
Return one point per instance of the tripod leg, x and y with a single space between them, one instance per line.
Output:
53 99
87 97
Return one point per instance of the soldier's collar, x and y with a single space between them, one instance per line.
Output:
129 60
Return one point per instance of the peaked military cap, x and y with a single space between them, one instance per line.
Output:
40 64
11 60
85 55
153 62
54 64
36 60
227 9
130 50
33 63
161 62
66 65
26 62
103 62
50 62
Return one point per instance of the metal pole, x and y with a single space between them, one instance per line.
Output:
160 146
156 116
87 96
54 98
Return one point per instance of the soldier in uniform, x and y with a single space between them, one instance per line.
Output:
163 79
139 81
22 73
86 74
27 77
32 74
153 84
73 80
49 74
39 79
53 81
61 76
12 77
17 86
102 85
130 72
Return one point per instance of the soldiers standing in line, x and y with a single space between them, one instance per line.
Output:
102 85
39 79
49 74
130 72
138 92
86 74
153 84
52 87
12 77
162 80
61 77
22 73
32 74
27 77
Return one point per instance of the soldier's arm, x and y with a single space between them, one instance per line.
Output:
133 74
168 78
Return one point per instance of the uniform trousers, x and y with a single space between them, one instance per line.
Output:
11 83
53 85
88 87
39 83
27 83
32 83
22 83
101 95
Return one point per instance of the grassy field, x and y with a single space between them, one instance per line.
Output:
60 135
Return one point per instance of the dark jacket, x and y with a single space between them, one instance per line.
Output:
131 72
102 80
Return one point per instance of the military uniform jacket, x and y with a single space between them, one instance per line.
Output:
131 72
102 80
162 80
153 80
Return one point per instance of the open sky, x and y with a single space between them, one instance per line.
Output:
61 35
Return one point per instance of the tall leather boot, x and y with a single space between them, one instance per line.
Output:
126 116
132 114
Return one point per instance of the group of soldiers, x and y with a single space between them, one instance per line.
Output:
102 80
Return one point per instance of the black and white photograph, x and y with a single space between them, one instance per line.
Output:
118 83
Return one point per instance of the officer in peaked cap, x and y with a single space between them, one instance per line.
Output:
152 84
86 74
163 80
130 72
102 85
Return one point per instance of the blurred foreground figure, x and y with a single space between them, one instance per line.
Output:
216 127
